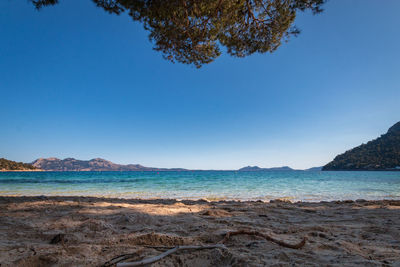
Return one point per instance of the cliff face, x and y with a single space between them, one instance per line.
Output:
71 164
382 153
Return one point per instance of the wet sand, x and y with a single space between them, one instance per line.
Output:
89 231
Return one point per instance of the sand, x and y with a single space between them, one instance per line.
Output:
88 231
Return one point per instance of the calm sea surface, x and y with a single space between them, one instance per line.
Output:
212 185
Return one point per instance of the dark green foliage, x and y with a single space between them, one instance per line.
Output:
382 153
193 31
10 165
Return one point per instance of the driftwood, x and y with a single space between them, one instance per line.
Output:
166 253
265 236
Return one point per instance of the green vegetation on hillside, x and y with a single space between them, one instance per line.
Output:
382 153
9 165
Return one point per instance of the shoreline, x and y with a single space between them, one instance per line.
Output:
211 200
187 170
95 230
21 170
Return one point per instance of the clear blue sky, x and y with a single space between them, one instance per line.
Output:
78 82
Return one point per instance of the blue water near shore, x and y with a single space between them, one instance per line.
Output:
212 185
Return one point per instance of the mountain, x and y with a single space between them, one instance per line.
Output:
98 164
9 165
382 153
250 169
257 169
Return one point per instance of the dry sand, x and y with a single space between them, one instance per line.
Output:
95 230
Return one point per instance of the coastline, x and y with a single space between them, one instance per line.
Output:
195 170
22 170
207 199
266 186
96 229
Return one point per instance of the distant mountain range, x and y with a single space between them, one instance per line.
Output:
382 153
98 164
283 168
258 169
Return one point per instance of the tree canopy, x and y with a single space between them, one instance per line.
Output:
193 31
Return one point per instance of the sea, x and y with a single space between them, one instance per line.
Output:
310 186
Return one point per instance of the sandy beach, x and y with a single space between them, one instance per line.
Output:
88 231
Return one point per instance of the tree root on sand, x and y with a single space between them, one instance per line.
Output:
166 253
265 236
120 258
171 250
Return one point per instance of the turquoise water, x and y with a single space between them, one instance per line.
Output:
213 185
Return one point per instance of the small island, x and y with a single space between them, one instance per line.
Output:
9 165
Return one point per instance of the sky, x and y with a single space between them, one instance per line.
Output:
78 82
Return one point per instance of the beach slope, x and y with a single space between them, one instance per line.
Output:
88 231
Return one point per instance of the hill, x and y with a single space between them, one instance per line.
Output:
382 153
256 169
9 165
98 164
